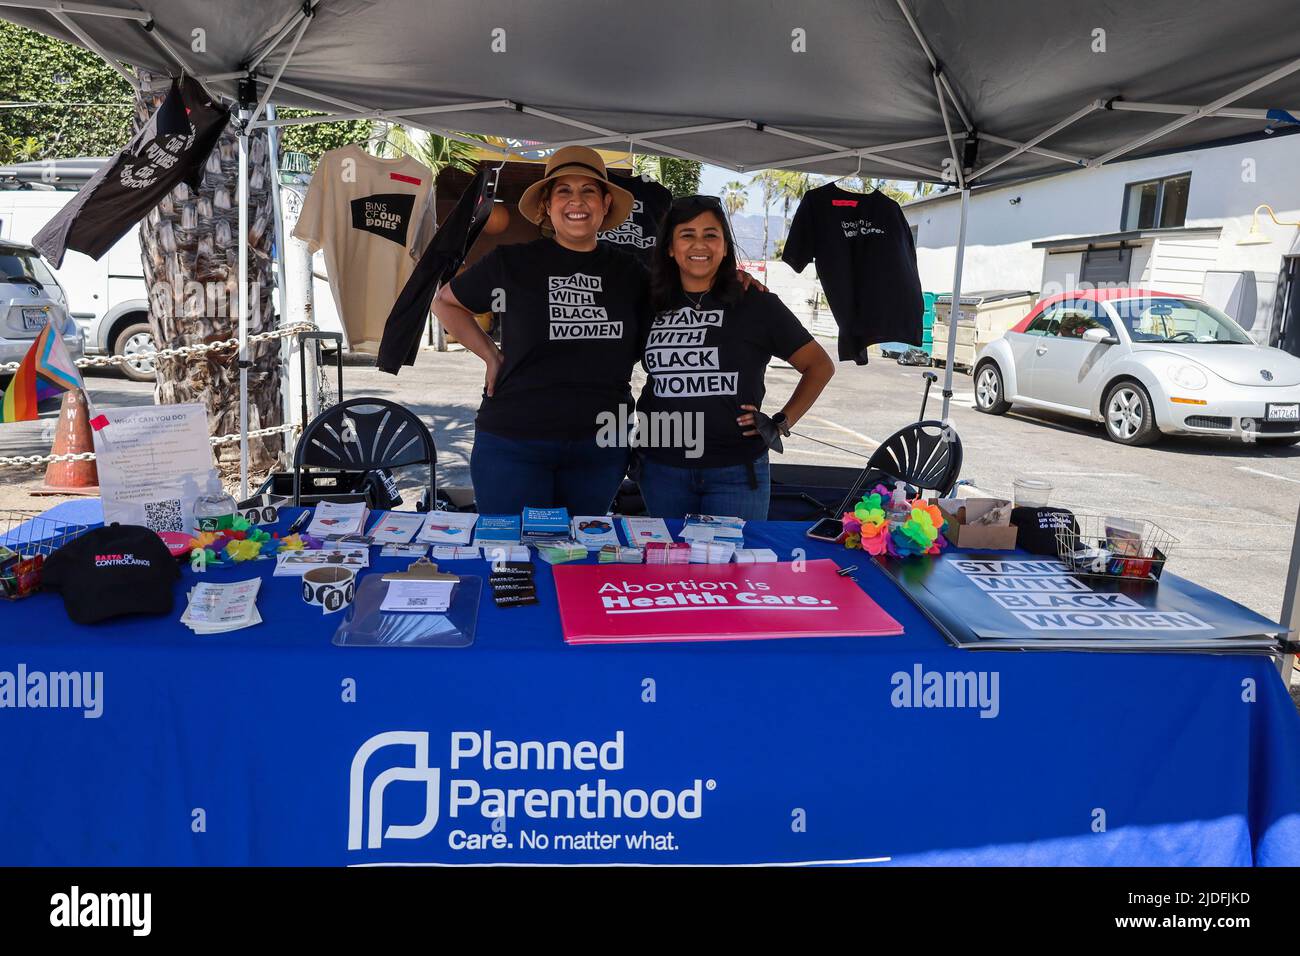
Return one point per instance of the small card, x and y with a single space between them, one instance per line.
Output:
413 550
415 596
513 600
449 552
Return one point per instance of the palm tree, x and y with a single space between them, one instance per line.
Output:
436 152
189 245
791 187
768 180
733 201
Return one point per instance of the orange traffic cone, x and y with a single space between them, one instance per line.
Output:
72 437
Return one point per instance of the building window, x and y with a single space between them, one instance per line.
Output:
1157 203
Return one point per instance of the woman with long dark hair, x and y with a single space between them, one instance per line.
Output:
706 353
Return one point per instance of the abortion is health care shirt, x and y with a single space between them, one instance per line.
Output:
571 325
710 359
373 217
866 261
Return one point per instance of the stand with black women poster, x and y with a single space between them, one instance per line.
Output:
1011 600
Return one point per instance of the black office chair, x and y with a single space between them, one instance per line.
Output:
365 435
926 455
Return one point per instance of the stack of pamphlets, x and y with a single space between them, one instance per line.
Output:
396 527
542 525
413 549
714 528
218 608
595 531
641 531
755 556
452 552
333 518
447 527
294 564
558 552
678 552
712 552
616 554
494 530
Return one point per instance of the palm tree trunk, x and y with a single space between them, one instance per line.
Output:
189 245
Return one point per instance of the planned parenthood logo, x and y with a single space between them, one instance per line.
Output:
419 772
482 810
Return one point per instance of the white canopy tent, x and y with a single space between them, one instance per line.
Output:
927 90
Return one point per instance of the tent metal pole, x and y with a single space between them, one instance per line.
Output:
307 11
1291 606
307 18
243 305
935 66
1027 146
288 353
85 38
952 143
1231 113
378 114
677 131
658 147
1201 112
86 9
1036 150
954 314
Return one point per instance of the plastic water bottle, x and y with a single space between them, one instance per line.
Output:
900 510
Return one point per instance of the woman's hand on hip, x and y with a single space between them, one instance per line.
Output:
493 362
747 422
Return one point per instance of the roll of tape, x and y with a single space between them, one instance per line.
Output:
329 588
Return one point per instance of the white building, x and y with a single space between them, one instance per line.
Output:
1168 222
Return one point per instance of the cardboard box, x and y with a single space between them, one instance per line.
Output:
983 523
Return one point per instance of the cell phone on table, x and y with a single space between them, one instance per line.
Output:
827 529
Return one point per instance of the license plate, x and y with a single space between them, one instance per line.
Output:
1282 413
34 319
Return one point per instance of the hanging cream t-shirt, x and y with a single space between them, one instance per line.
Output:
372 217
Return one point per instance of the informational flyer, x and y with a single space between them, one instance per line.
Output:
154 462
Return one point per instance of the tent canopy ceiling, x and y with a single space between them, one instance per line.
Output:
584 70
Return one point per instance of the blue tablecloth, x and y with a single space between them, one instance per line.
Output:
273 746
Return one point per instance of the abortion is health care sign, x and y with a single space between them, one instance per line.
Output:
621 603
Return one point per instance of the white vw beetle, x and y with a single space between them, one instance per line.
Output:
1143 363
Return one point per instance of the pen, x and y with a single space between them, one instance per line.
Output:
298 522
845 572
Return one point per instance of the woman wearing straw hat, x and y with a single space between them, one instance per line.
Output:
571 315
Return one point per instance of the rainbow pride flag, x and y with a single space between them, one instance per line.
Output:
46 370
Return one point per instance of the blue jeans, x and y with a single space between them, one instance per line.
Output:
511 473
671 492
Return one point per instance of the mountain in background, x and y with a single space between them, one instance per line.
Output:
748 229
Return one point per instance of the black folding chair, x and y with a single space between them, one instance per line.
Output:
926 455
364 435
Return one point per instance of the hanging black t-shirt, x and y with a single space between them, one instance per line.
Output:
866 261
570 328
637 233
712 360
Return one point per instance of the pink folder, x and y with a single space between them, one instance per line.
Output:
630 603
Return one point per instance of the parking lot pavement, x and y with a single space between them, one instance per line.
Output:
1232 506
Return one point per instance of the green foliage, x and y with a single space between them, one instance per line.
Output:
318 138
680 176
40 69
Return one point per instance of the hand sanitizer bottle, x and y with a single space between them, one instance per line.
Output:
900 510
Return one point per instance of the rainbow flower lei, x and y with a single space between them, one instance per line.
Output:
867 527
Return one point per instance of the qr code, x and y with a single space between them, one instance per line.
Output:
164 515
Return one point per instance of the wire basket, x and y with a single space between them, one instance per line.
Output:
26 540
1111 547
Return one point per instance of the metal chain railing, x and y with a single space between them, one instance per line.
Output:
105 361
90 455
102 361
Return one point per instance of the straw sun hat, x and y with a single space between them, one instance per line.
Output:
576 161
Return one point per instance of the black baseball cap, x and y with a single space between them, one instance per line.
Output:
1038 527
111 571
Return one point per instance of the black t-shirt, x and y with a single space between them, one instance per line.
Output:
712 360
866 261
637 233
571 323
